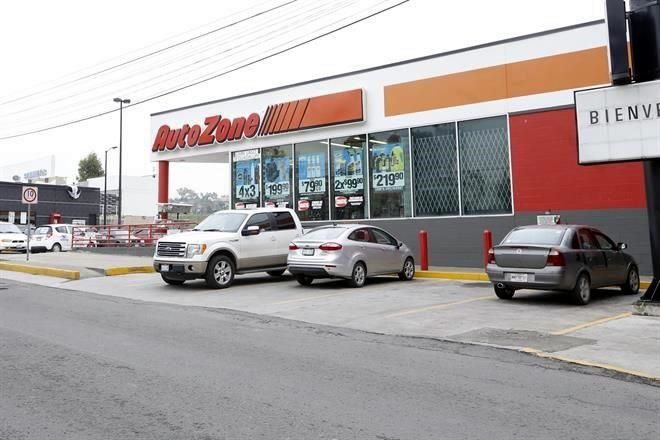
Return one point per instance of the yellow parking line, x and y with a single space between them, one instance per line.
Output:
592 323
438 306
308 298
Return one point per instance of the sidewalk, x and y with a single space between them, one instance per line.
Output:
86 264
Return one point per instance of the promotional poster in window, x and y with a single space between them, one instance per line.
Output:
246 178
277 179
388 167
311 173
347 167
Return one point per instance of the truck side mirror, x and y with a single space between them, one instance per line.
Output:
251 230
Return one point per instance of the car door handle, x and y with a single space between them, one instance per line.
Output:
273 239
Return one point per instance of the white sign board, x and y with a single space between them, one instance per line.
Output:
30 195
620 123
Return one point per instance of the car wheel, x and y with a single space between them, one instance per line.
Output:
220 272
359 275
581 294
56 248
408 271
304 280
631 286
504 292
172 281
275 273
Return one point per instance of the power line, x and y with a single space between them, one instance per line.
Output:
226 72
150 54
175 71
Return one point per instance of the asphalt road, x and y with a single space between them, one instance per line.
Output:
81 366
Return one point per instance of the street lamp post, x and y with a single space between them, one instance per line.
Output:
105 186
121 102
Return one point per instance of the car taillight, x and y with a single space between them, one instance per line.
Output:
491 256
330 247
292 246
555 258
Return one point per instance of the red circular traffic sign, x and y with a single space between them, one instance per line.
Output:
30 194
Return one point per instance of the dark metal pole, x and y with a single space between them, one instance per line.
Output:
121 107
105 189
652 178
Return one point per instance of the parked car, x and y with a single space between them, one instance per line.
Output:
55 238
11 238
353 252
569 258
228 243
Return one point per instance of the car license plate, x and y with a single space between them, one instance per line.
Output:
164 267
518 277
308 252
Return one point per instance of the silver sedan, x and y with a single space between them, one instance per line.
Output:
353 252
571 258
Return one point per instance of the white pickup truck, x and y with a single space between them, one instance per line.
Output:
228 243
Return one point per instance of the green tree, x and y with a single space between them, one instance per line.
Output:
90 167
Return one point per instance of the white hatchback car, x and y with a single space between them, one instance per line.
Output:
11 238
55 238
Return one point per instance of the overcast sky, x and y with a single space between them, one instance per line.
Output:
45 40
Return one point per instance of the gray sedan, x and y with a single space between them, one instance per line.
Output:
570 258
353 252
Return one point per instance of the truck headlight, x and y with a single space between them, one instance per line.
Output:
195 249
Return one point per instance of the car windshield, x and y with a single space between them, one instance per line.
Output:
543 236
222 221
42 230
324 233
9 229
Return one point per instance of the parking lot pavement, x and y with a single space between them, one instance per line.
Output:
88 263
463 311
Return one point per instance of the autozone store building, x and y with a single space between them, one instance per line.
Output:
454 143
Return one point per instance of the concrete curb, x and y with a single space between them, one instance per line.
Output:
475 276
40 270
586 363
127 270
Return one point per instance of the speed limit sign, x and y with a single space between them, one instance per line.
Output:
30 195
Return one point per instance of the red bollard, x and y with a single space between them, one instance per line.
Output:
488 244
424 249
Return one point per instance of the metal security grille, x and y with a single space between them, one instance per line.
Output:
484 164
171 249
435 175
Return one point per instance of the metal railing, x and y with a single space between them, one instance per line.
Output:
142 235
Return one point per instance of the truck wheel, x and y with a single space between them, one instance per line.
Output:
581 294
358 276
304 280
171 281
275 273
220 272
631 286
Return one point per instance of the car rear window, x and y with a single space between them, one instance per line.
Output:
541 236
324 233
42 230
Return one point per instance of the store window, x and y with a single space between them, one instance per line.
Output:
435 170
245 179
312 180
389 165
277 176
484 164
348 178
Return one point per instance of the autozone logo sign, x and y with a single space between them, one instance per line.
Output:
303 114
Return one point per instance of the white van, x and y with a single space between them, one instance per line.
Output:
55 238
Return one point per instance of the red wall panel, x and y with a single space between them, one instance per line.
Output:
546 174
